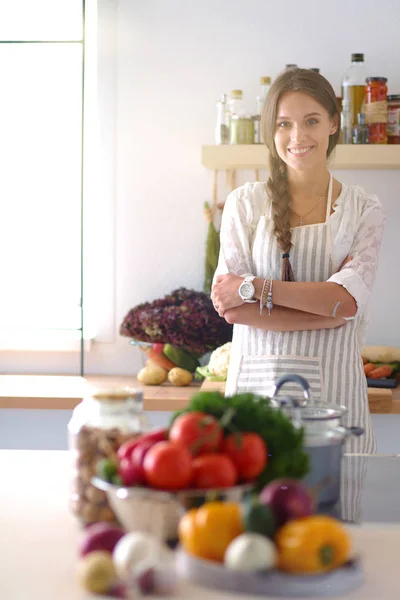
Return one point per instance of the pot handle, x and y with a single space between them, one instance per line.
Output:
357 431
292 378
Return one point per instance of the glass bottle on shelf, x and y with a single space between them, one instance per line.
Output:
353 85
346 123
222 128
361 130
265 83
236 103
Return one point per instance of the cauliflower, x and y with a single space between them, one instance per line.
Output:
219 360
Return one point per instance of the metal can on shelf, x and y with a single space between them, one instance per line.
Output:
242 130
376 109
393 124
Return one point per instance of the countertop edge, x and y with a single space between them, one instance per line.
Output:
64 392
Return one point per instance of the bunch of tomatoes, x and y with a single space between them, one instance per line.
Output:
194 453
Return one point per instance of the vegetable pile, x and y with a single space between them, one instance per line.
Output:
167 362
251 413
216 442
381 362
275 530
184 318
117 563
193 453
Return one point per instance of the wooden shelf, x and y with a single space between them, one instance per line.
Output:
255 156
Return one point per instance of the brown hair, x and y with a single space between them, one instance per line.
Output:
293 80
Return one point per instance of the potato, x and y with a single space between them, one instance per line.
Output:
178 376
152 375
96 572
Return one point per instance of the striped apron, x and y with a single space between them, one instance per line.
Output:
330 359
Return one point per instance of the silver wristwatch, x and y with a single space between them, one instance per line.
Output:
247 289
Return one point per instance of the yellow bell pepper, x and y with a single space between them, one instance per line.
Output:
207 531
314 544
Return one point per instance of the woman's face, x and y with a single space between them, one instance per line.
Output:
302 131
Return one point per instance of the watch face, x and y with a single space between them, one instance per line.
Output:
247 290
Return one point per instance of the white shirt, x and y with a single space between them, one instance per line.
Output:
356 230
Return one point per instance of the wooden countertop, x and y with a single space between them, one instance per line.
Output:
66 391
39 539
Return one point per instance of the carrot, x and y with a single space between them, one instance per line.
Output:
368 368
380 372
160 359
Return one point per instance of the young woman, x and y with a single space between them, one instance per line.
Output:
308 247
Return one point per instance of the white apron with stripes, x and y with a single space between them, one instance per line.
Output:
329 358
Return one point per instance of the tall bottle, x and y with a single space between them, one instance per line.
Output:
236 103
265 83
346 123
353 86
222 128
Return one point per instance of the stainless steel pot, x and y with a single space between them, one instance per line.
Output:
324 437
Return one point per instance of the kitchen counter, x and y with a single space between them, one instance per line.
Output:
39 537
64 392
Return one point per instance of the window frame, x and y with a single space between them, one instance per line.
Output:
98 211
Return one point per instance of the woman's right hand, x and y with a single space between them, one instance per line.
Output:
225 293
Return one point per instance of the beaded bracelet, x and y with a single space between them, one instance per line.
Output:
269 299
263 294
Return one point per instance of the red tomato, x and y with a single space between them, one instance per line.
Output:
168 466
213 471
248 452
197 431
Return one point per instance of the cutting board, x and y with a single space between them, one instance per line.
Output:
379 399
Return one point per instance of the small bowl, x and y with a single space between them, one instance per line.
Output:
157 511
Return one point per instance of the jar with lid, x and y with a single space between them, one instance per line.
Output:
376 109
105 419
242 129
393 124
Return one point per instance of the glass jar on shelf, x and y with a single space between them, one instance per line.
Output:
242 129
393 124
105 419
361 131
376 109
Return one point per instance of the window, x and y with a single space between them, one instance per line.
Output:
45 76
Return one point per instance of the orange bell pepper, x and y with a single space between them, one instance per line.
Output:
207 531
312 545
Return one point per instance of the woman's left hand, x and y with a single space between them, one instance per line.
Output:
225 292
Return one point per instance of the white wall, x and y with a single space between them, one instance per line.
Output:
174 59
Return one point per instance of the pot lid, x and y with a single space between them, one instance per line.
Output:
322 412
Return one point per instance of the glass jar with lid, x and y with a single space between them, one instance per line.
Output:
376 109
104 420
393 124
